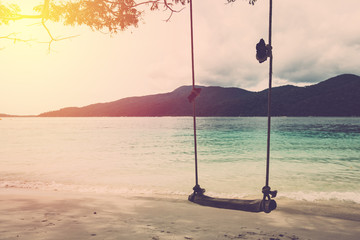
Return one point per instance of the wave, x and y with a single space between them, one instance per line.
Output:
166 193
54 186
323 196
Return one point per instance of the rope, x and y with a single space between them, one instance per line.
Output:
197 187
266 190
269 101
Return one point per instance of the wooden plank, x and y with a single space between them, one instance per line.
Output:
257 205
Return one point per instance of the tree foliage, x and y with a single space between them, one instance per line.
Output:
97 14
8 12
109 16
104 15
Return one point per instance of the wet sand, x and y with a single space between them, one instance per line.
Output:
32 214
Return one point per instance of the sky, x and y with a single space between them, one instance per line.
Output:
312 41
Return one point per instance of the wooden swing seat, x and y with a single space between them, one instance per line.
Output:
256 205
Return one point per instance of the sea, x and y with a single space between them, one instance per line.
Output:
311 158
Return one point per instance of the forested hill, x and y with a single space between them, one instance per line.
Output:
337 96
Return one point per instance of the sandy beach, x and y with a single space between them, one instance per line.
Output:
33 214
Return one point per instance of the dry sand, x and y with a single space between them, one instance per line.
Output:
32 214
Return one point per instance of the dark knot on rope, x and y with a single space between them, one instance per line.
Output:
263 51
198 191
267 204
193 94
267 192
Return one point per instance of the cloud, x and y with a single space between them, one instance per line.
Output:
226 36
312 40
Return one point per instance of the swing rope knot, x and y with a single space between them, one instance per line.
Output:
263 51
193 94
198 190
267 192
267 204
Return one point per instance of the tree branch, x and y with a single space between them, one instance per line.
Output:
252 2
52 39
171 11
43 16
15 39
20 16
110 15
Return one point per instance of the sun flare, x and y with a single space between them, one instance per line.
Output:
31 30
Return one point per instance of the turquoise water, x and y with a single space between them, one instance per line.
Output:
311 158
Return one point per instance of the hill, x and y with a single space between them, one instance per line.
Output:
337 96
